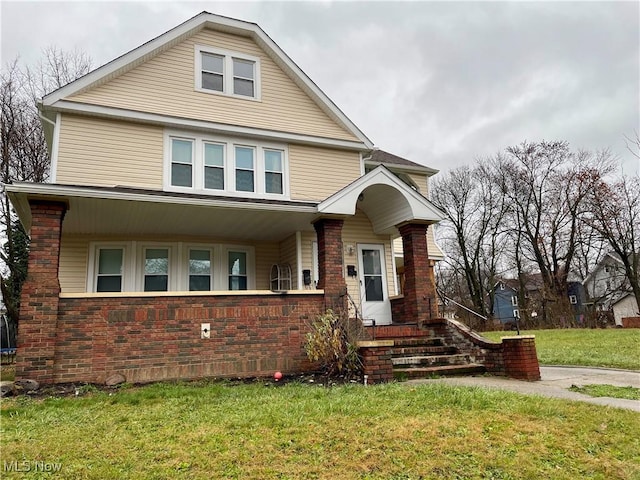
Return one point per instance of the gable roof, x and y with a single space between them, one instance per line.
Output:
389 160
203 20
386 200
609 259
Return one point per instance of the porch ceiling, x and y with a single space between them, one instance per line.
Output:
148 213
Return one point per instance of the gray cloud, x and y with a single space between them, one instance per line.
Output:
437 82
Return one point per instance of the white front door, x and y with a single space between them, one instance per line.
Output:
374 294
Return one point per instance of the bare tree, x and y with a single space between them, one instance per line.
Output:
547 186
24 151
615 214
474 207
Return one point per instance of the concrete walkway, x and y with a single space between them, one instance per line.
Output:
555 383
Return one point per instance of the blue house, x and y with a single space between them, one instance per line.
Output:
505 304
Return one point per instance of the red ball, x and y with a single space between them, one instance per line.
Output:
277 376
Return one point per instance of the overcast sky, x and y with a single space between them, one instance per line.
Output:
439 83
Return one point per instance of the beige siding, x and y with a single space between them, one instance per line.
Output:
313 171
166 85
432 247
289 255
307 253
266 255
422 181
95 151
74 252
357 230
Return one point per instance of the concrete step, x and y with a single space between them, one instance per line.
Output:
441 370
430 360
419 342
422 350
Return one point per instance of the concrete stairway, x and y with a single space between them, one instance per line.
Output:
422 357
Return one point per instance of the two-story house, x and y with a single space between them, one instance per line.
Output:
206 201
609 289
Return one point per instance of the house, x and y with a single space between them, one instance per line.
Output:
505 303
609 290
206 202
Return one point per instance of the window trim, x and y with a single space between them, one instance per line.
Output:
573 299
229 144
514 300
178 272
92 265
227 72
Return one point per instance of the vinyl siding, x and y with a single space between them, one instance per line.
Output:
266 255
74 254
313 172
100 152
357 230
421 181
289 256
166 85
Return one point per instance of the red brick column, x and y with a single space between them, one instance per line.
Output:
376 360
520 358
419 285
330 263
40 294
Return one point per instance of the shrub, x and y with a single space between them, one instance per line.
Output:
332 341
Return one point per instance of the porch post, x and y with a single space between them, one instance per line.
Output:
420 301
40 294
330 263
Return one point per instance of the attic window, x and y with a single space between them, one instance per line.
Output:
229 73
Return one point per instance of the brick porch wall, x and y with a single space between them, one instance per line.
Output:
158 338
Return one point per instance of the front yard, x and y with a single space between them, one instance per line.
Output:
265 430
611 347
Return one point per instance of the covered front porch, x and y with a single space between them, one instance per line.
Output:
149 323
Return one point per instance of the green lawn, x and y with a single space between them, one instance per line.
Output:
612 347
293 431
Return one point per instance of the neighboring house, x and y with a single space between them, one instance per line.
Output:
609 290
507 299
578 300
505 303
207 201
625 307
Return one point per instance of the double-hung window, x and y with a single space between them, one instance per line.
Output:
156 269
243 77
245 166
182 162
110 270
220 165
165 267
237 270
212 72
214 171
273 176
227 73
200 269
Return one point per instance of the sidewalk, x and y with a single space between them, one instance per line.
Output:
555 382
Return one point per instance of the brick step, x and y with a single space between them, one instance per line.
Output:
422 350
431 360
419 342
442 370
